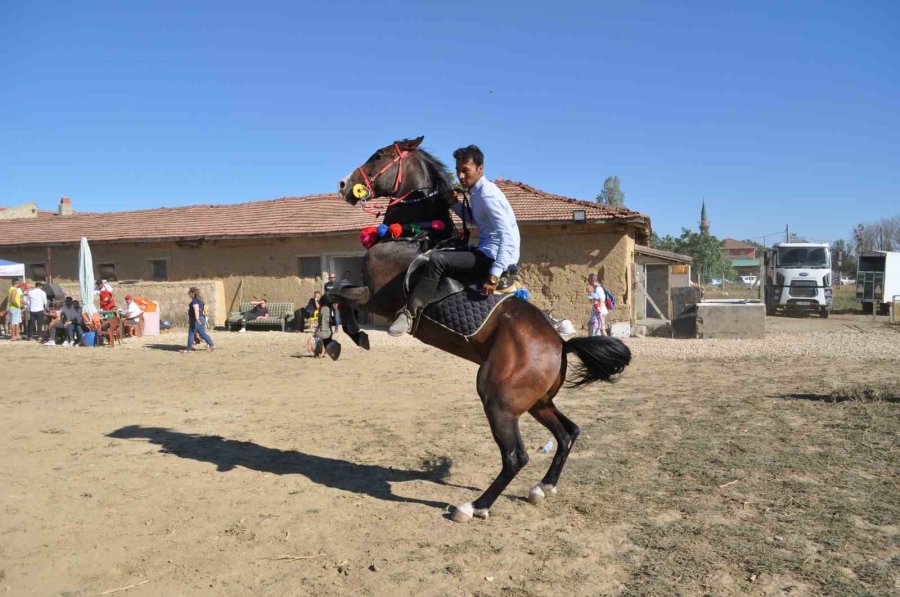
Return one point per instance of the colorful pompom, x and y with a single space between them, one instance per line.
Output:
438 225
522 294
396 230
368 237
414 229
382 230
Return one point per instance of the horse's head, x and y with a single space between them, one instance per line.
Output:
393 171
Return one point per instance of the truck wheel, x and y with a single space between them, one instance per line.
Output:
867 308
823 313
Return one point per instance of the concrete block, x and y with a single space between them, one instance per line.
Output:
731 320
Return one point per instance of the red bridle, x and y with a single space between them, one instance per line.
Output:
402 154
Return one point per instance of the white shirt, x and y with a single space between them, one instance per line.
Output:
599 294
498 233
132 311
37 300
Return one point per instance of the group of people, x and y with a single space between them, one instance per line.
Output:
31 316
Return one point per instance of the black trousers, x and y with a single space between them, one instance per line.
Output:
446 263
36 324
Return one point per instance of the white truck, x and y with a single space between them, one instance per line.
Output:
878 280
798 278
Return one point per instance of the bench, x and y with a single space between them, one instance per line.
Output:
280 314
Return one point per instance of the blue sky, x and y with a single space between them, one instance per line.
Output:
774 113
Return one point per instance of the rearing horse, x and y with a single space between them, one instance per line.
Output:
522 359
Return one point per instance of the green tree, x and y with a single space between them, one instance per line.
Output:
611 194
663 243
707 252
843 258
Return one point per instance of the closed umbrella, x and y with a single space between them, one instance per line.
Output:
86 277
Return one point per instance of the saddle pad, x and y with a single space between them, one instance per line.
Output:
464 312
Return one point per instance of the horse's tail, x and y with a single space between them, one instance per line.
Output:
603 358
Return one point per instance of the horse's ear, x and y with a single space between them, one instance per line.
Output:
410 144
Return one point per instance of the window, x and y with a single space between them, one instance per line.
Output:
38 272
309 267
159 269
107 271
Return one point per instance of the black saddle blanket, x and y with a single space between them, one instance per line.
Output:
464 312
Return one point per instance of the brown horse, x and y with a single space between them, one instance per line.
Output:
522 358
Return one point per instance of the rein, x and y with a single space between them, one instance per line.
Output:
366 193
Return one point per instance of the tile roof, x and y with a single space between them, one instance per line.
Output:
731 243
288 216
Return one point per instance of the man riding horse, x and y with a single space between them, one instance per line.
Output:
498 240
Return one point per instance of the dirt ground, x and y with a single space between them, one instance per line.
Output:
255 470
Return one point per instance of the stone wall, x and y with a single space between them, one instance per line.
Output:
172 297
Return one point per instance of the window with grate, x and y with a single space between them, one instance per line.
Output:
107 271
37 272
309 267
159 269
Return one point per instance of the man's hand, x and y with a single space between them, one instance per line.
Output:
451 196
490 285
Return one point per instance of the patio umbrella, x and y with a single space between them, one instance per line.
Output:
8 269
86 277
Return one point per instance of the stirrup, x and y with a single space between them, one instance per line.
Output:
409 322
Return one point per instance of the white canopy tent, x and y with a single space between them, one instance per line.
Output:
8 269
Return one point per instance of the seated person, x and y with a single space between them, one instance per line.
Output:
68 320
106 298
132 312
260 310
311 311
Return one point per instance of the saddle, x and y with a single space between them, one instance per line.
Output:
458 304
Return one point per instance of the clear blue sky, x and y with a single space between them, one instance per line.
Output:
775 113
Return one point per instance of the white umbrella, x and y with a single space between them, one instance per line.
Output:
86 277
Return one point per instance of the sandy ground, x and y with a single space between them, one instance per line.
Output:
255 470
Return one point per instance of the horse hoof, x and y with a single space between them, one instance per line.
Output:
539 492
463 513
333 350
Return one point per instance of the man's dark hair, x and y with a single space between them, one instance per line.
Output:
471 152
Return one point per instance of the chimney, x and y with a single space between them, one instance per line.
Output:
65 206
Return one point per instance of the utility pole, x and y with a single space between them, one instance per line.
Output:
787 236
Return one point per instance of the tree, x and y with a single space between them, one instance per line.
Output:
664 243
883 235
611 194
707 253
843 258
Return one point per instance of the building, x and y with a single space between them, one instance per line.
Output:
280 249
743 257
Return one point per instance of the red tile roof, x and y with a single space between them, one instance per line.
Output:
288 216
731 243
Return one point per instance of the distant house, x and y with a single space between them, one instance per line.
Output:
742 256
280 249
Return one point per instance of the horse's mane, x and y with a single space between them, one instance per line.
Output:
437 170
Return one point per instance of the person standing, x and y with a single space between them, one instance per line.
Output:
599 311
334 309
498 240
196 320
37 311
14 299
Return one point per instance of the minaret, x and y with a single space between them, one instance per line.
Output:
704 222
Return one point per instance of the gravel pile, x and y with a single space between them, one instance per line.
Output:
853 345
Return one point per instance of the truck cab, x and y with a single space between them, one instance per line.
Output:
798 279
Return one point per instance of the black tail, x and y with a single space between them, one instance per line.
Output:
602 359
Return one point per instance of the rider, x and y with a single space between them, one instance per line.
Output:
498 240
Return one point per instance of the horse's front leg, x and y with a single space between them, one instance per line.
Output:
349 297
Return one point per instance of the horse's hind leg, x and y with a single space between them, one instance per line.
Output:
505 428
565 432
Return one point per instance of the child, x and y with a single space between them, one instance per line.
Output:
597 296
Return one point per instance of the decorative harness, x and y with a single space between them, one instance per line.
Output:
366 193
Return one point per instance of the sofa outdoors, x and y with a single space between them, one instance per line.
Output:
280 315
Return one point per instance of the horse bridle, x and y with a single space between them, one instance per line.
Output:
365 193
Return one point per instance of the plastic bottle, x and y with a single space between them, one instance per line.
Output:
545 449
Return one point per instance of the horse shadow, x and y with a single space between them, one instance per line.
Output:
226 454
